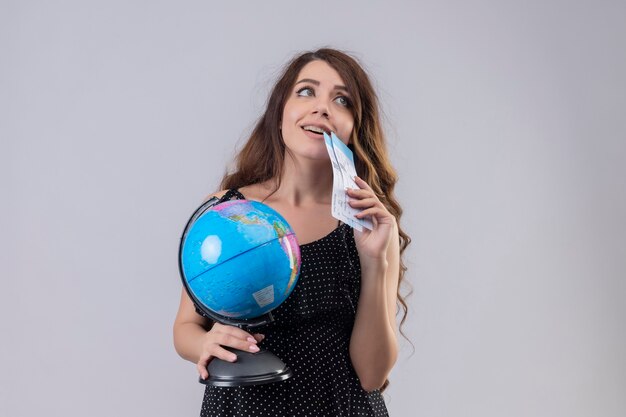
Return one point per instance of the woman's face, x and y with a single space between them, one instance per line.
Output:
318 102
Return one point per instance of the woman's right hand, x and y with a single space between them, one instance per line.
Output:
224 335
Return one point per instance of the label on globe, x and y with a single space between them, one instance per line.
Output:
264 296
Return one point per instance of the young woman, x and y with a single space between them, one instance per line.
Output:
337 331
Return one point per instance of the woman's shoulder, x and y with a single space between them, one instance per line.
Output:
218 194
256 192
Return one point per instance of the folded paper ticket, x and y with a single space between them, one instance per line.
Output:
343 177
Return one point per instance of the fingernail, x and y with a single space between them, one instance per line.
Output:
233 357
254 348
251 339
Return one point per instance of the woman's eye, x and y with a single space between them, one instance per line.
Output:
305 92
344 101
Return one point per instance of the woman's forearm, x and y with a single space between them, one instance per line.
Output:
373 345
188 338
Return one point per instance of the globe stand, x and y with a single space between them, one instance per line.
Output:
250 368
258 368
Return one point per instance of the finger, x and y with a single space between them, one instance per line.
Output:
367 202
362 184
238 333
204 374
259 337
380 214
202 366
223 354
235 342
359 193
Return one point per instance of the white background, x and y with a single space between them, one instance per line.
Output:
506 122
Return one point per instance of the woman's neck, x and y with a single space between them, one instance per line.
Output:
306 181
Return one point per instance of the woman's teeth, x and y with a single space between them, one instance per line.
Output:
314 129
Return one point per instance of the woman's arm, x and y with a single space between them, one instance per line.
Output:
373 345
197 343
189 329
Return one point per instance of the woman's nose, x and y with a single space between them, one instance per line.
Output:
322 108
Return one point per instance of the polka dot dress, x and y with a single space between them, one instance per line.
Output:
311 334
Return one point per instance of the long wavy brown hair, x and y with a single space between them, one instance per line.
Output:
261 158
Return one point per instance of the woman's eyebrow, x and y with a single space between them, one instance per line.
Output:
308 80
315 82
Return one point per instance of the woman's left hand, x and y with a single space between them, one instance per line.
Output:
371 243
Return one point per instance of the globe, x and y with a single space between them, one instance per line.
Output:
240 259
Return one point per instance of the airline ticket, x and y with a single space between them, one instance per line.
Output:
343 177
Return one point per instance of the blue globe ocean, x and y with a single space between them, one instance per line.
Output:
240 259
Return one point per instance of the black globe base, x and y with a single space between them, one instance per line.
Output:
258 368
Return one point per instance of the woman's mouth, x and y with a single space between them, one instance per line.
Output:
318 131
